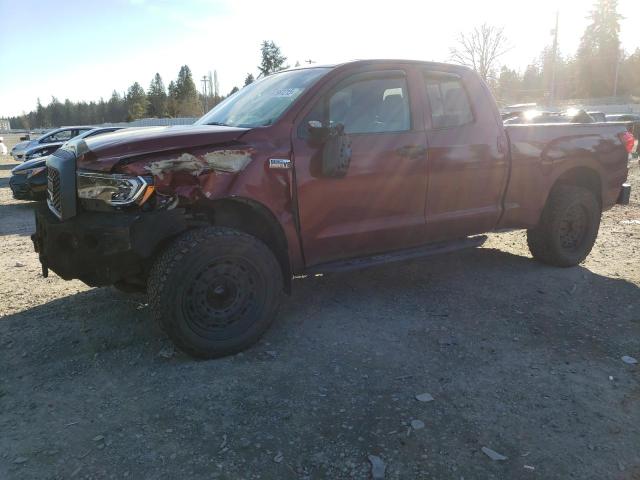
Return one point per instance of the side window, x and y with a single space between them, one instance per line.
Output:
448 101
369 105
62 136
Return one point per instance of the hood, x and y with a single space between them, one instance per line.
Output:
28 165
18 147
51 147
103 152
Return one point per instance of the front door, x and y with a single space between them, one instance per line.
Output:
379 204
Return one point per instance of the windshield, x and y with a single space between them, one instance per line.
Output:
262 102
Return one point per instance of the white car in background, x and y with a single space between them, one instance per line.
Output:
57 136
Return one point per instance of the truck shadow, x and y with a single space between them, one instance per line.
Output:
447 291
496 338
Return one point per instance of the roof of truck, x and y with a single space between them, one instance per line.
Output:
448 66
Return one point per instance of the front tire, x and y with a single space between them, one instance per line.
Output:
568 227
215 291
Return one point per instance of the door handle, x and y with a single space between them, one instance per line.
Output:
411 151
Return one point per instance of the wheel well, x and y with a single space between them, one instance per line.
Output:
255 219
582 177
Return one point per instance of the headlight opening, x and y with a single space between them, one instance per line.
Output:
112 189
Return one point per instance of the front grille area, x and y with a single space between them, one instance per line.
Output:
53 191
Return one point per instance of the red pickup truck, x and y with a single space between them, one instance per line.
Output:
314 170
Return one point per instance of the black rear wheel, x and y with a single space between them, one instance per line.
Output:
568 227
215 291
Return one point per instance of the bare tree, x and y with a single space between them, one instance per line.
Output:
481 49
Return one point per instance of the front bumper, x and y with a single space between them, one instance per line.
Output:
18 156
34 188
103 248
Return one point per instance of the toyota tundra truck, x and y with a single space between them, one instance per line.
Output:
316 170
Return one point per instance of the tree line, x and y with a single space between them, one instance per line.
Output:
599 68
180 98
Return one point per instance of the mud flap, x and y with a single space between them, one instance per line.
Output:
625 194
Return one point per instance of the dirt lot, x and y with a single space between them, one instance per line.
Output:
521 358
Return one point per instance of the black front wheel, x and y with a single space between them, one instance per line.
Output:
215 291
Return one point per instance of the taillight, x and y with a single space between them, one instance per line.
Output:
627 140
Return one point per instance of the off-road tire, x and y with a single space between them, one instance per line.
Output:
215 291
568 227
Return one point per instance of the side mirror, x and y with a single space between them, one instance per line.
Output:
336 152
318 133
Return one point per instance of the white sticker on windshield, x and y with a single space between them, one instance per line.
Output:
286 92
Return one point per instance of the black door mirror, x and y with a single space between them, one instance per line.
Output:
335 147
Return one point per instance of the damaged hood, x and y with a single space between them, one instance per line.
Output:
103 152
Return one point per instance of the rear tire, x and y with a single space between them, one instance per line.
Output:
568 227
215 291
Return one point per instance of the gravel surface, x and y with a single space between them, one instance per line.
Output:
522 360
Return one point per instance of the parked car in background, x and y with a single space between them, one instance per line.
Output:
598 116
572 115
39 151
59 136
316 170
29 180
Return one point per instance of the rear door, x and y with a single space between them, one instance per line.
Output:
468 162
379 204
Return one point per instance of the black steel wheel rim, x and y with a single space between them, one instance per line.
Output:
574 227
222 298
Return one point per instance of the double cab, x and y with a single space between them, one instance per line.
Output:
315 170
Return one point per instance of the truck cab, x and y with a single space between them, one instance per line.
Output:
313 170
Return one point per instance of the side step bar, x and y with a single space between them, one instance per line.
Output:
399 255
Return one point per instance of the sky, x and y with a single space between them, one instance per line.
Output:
84 50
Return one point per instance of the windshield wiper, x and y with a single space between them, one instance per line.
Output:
218 124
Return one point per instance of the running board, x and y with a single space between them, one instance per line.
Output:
399 255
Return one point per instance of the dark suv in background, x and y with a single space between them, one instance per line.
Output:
29 180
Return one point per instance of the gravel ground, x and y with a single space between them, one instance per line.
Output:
519 357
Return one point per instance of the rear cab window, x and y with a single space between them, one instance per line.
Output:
448 100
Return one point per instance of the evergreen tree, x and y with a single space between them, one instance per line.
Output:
136 102
69 112
233 90
157 97
249 79
116 108
41 116
56 113
272 59
172 100
630 75
186 94
508 86
599 51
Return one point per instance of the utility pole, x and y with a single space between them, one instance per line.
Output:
552 93
205 81
615 79
210 79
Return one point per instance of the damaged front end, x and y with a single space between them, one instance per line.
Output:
104 221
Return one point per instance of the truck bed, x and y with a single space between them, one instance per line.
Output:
543 153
